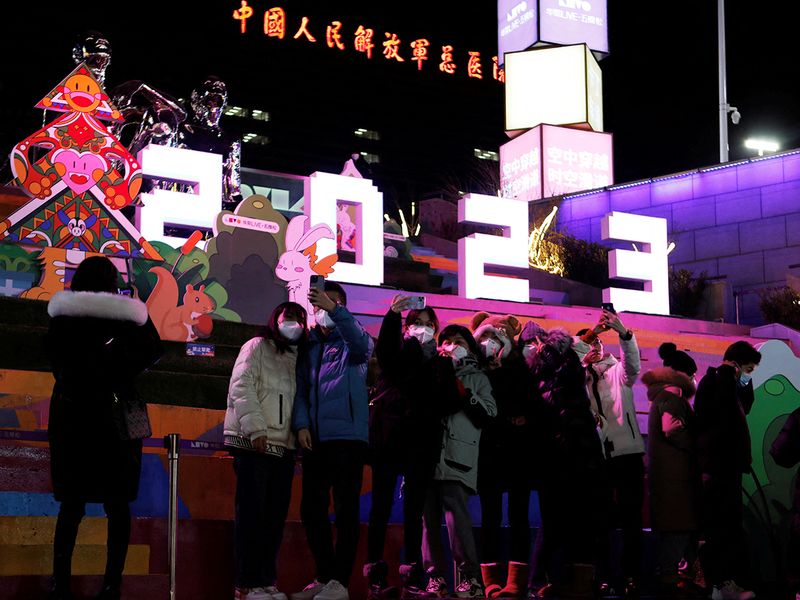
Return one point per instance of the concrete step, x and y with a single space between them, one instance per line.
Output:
89 559
27 531
28 587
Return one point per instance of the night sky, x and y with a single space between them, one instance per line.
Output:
660 79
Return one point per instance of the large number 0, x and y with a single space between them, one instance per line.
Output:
649 266
328 191
201 170
478 250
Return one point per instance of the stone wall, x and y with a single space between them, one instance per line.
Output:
739 222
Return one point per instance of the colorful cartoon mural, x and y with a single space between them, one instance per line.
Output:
768 490
77 187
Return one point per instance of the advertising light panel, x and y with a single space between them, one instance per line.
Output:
567 22
556 86
549 161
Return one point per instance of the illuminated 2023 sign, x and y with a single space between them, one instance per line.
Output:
649 266
324 192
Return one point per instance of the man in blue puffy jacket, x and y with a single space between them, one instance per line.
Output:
330 418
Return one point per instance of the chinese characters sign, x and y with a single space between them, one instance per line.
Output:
418 52
522 24
557 85
549 161
517 26
567 22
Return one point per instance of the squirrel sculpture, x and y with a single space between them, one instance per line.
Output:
176 322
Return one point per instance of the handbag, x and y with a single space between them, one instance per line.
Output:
130 417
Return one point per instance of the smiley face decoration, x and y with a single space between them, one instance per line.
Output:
81 182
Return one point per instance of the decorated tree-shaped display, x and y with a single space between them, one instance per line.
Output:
77 187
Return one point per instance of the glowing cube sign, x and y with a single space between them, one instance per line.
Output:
328 191
649 265
574 22
478 249
523 24
548 161
558 86
517 26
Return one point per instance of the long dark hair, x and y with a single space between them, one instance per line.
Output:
271 331
96 274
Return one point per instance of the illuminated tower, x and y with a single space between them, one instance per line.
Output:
553 97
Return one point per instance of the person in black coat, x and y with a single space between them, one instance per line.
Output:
98 342
574 498
786 452
723 400
415 388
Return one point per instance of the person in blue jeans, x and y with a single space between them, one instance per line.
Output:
330 418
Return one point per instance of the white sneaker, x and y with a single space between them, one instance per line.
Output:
256 593
470 588
275 593
333 590
730 591
308 593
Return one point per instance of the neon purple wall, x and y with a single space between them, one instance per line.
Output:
741 221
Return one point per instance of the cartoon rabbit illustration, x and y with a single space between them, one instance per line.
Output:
299 262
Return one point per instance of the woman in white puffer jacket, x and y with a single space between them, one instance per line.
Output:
259 437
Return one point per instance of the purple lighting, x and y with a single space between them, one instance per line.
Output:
735 221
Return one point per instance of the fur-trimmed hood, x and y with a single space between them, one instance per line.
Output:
99 305
658 379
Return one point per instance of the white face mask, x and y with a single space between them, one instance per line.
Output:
324 319
456 352
291 330
424 333
491 348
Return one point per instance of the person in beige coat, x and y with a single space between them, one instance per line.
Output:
258 434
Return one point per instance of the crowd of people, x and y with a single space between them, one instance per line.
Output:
448 412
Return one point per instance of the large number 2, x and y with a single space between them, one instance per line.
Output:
478 250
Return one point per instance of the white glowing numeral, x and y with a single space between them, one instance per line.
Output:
649 266
478 250
201 170
323 192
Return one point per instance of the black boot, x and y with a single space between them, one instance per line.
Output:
60 590
110 591
412 579
376 574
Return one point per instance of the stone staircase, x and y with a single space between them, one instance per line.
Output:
26 560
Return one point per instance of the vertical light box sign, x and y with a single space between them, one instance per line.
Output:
521 166
323 192
201 170
649 265
478 250
567 22
554 85
517 26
